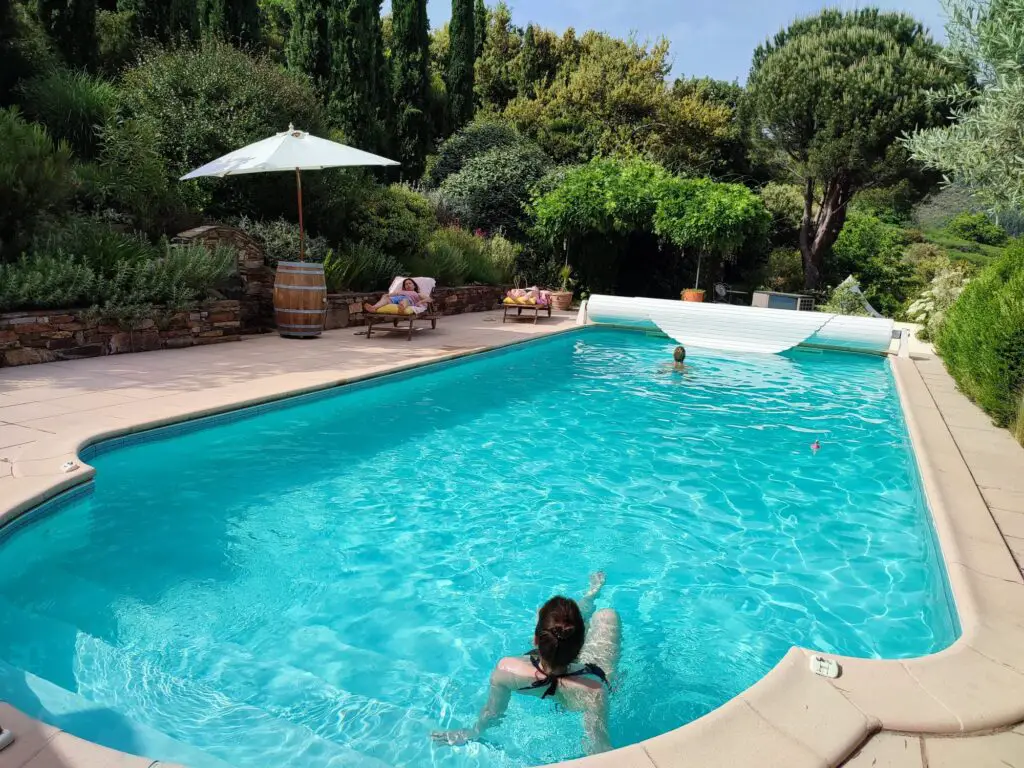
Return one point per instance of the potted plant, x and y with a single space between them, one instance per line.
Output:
562 298
692 294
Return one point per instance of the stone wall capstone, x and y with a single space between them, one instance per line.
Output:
43 336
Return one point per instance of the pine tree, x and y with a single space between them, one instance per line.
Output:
480 25
309 47
461 62
164 20
410 55
529 70
356 44
71 24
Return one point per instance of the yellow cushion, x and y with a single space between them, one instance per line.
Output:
394 309
509 300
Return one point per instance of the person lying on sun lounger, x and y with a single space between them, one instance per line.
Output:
408 296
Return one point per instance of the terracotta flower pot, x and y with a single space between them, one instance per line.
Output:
692 294
561 300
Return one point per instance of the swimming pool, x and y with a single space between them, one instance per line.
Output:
324 584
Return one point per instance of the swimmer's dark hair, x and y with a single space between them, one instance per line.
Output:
679 354
414 286
560 632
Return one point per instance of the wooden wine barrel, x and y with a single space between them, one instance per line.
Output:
300 299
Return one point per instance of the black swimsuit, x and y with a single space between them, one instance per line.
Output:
551 681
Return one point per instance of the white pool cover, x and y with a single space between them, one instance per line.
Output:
741 329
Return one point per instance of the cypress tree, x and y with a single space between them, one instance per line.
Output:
461 62
309 48
12 63
234 20
480 25
355 44
529 69
71 24
410 55
164 20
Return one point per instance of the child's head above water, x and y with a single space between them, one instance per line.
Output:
560 632
679 354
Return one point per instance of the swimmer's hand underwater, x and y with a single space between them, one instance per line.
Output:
455 738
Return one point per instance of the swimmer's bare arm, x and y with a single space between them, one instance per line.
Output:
502 683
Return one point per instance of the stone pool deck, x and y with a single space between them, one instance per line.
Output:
961 707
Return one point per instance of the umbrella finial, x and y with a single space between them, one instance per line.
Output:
291 127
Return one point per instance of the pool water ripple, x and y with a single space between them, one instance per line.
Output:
322 585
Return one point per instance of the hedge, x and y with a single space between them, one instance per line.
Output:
982 340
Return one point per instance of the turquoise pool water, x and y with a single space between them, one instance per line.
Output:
324 584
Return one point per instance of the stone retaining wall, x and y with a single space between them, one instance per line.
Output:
43 336
253 285
346 309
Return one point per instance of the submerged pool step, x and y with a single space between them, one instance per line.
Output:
63 709
285 734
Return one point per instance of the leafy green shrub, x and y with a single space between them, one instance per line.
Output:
844 301
130 177
181 277
444 258
978 228
61 279
873 251
95 243
394 220
117 39
25 48
504 255
476 254
931 306
982 339
492 189
73 105
280 240
36 179
475 139
784 271
360 267
46 282
212 99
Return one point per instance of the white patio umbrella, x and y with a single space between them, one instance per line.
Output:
290 150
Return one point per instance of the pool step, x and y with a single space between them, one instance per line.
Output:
317 650
292 727
42 700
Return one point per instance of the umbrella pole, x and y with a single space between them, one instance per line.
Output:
302 234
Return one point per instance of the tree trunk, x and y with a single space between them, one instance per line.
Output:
819 231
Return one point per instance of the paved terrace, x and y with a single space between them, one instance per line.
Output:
788 720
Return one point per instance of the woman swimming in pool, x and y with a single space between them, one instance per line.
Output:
570 663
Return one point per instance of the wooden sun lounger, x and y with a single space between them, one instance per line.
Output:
373 318
537 309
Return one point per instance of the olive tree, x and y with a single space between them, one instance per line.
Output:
829 97
983 149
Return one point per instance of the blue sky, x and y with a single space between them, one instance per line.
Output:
709 37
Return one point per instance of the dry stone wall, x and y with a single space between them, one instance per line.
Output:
44 336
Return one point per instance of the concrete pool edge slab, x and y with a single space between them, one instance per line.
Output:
790 717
